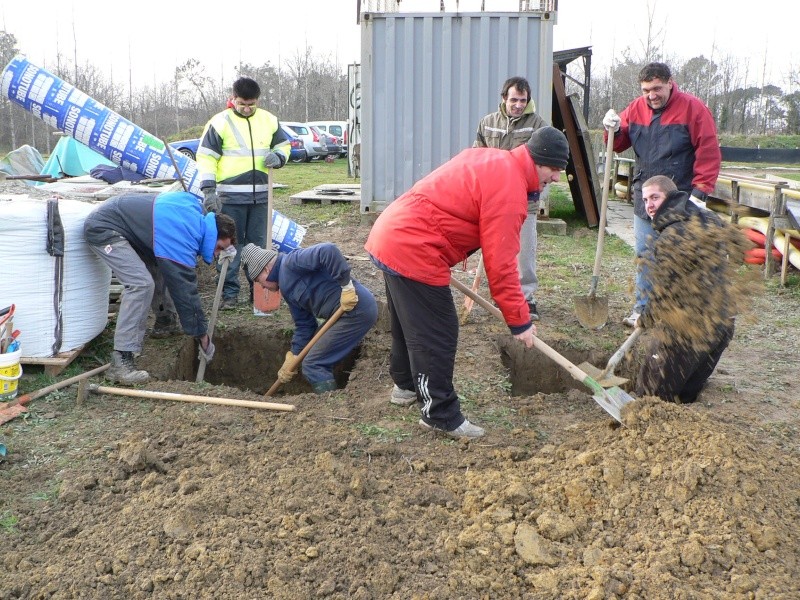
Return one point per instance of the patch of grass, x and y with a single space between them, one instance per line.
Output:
305 176
8 522
382 434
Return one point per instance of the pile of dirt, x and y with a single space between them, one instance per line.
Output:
347 498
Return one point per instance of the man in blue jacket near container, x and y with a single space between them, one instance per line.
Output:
151 242
315 282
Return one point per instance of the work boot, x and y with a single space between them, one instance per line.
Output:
123 370
229 303
165 329
464 431
402 397
324 386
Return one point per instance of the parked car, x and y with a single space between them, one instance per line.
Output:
296 155
315 147
337 128
187 147
332 143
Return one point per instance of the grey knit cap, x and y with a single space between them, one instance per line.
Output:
255 259
549 148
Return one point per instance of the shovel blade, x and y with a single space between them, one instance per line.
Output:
592 311
608 381
613 400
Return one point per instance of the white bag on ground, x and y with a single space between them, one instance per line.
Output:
55 312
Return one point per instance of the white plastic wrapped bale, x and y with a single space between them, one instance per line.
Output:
61 303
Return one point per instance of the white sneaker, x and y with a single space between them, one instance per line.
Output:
464 431
630 320
402 397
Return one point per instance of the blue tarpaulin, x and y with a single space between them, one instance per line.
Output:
70 158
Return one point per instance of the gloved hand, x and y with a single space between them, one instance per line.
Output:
349 297
211 201
611 120
699 198
273 161
208 353
229 252
286 373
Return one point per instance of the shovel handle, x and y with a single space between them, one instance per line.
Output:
201 369
601 233
573 370
617 356
299 358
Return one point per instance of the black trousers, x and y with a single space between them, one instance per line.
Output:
677 372
424 341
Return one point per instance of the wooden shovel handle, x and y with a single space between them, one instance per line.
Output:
573 370
601 231
299 358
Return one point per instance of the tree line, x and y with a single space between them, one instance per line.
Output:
308 87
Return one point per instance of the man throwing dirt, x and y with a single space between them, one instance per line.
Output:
693 298
314 282
478 199
151 242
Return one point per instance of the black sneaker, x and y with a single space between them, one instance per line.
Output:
533 311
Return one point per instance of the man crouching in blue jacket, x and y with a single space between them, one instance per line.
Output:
151 242
315 282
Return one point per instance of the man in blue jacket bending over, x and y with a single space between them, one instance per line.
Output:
151 242
315 282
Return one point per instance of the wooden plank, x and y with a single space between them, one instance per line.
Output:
578 173
53 365
328 194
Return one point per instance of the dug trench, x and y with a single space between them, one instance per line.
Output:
346 498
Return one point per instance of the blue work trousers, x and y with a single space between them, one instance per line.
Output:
342 338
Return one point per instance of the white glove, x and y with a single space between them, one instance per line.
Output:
273 161
208 353
229 252
698 202
611 120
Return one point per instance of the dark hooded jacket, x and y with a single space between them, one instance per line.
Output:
689 270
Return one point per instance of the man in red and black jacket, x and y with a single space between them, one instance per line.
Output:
478 199
672 133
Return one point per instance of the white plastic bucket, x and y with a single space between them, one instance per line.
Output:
10 372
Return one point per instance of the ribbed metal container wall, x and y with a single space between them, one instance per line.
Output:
426 81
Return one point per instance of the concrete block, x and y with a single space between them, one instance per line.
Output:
551 227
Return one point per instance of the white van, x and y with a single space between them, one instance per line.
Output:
337 128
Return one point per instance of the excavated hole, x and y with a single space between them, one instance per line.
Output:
249 360
532 372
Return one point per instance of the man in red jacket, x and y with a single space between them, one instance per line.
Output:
673 134
478 199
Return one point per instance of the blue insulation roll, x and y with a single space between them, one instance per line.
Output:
68 109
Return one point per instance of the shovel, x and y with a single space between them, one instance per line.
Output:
201 369
606 377
592 311
320 332
611 400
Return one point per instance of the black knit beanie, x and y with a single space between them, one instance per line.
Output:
548 147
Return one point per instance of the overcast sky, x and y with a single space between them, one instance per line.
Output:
155 36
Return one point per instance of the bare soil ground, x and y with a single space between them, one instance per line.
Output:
346 498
